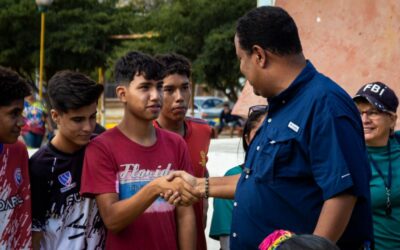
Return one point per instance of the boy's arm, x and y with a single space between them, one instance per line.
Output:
118 214
219 187
186 225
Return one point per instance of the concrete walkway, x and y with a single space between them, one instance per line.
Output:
223 155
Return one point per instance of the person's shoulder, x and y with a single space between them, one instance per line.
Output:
396 136
198 125
166 134
196 121
106 136
234 171
40 151
170 138
18 148
329 97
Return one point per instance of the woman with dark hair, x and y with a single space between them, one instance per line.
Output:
378 104
222 214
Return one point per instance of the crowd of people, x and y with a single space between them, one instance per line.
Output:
320 170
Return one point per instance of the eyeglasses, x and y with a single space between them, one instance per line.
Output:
372 113
257 108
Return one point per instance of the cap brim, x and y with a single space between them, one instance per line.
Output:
371 100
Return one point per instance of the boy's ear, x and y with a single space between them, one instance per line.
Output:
121 93
55 116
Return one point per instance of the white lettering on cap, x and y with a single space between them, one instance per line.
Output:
374 88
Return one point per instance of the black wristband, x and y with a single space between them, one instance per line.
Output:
207 192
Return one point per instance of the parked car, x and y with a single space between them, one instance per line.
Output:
208 108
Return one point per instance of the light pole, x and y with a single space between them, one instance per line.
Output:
43 5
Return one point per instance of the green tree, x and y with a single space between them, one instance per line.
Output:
203 31
77 34
217 64
19 36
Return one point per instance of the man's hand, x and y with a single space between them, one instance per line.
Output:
178 198
177 191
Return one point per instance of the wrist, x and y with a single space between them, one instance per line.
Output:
155 187
201 186
207 187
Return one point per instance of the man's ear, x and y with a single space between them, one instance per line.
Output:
259 56
121 93
55 116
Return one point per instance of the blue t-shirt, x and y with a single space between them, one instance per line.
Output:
309 149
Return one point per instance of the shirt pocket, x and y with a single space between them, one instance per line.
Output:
276 156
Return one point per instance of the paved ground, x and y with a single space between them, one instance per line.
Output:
223 155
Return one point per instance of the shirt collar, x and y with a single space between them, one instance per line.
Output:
303 78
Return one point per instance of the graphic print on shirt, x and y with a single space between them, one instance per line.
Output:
66 180
132 177
67 220
15 224
79 225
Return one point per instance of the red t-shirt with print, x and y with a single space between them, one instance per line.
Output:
115 164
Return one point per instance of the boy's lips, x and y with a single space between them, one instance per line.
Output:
154 108
179 109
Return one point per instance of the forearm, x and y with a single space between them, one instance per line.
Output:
335 216
219 187
186 228
118 214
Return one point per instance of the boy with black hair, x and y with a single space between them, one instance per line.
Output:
15 203
125 167
196 132
62 219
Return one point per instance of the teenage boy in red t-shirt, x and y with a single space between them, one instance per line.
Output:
125 167
15 201
196 132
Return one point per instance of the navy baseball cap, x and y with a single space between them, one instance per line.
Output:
378 95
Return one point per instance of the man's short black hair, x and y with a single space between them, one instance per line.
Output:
175 64
137 63
270 27
12 87
69 90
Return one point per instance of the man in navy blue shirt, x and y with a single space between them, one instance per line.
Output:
306 170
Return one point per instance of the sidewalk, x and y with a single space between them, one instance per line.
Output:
223 155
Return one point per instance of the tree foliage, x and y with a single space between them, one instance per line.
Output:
77 34
203 31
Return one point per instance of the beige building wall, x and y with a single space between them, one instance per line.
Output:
351 41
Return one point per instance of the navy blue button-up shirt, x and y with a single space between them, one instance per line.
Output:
309 149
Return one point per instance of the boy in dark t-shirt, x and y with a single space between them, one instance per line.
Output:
62 219
15 202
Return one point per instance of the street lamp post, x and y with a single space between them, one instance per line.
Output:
43 5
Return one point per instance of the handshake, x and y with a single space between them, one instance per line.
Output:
179 188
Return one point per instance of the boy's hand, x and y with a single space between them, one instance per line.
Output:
174 198
178 191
